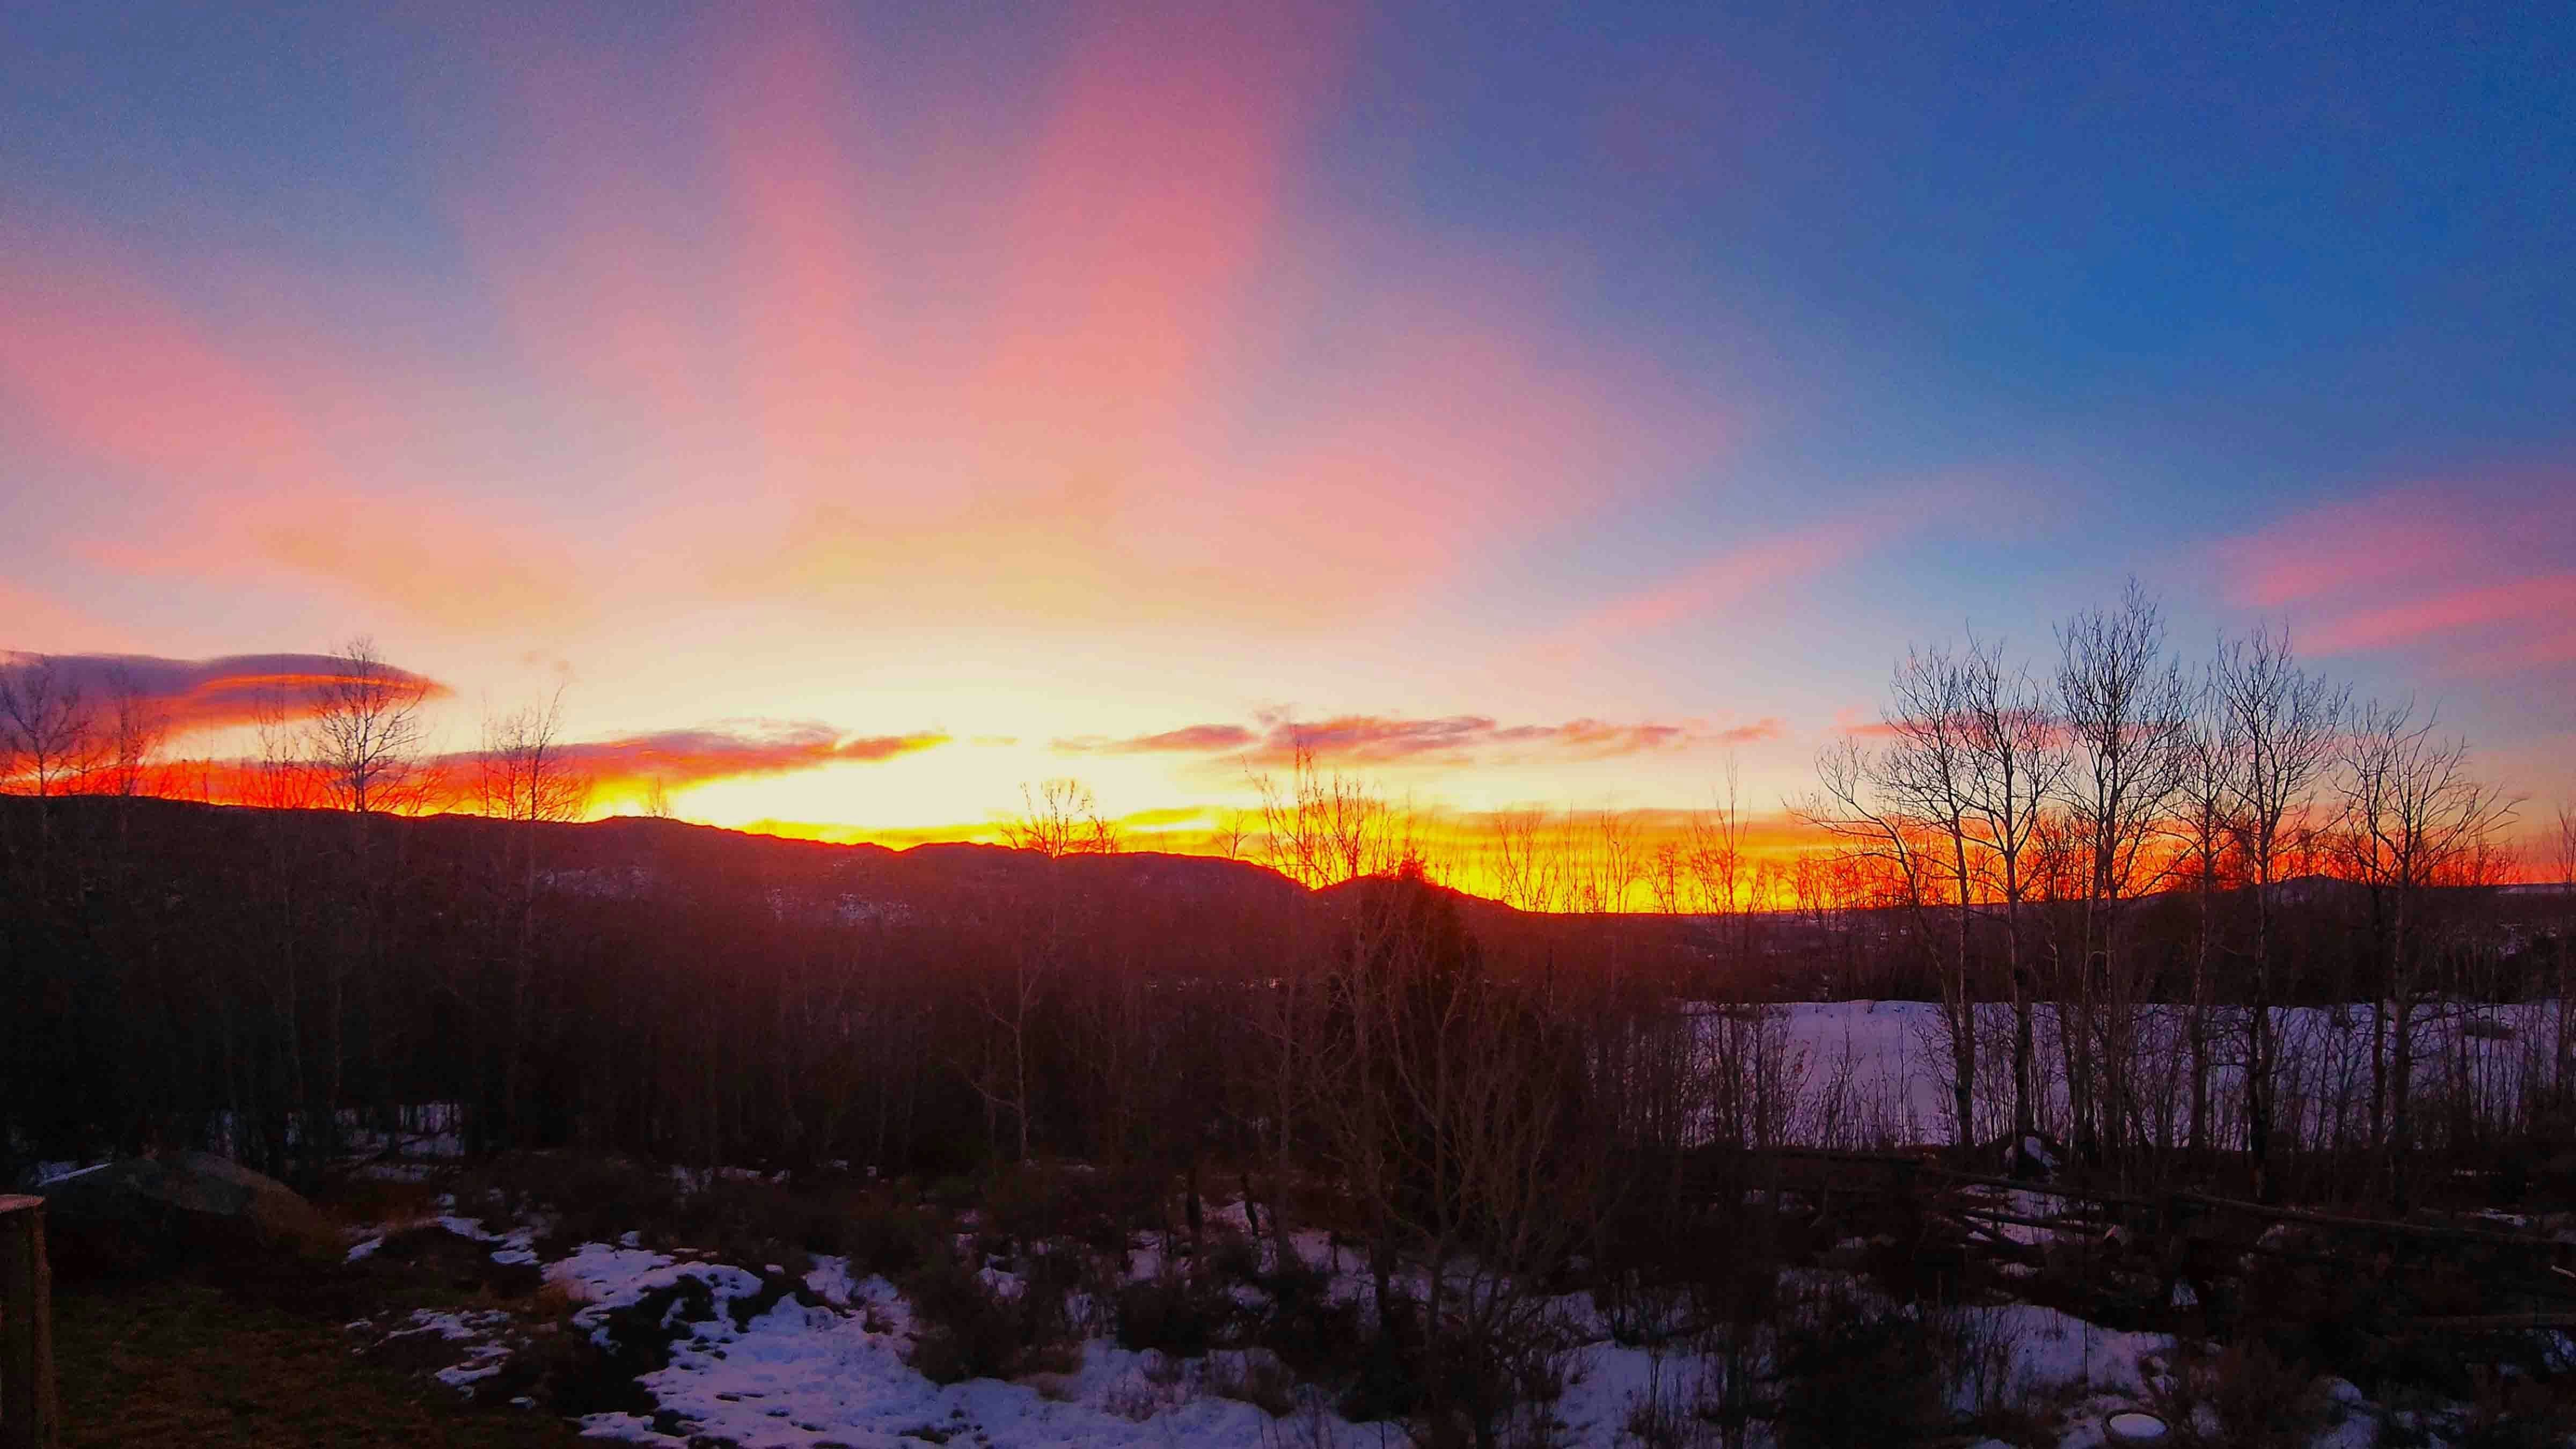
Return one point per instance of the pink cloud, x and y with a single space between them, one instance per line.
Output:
733 750
2478 571
239 461
1364 739
1730 579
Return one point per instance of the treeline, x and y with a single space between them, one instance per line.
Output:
2022 816
2117 877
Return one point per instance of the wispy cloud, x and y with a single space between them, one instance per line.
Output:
1368 739
2477 571
732 750
243 450
1188 739
1728 579
204 694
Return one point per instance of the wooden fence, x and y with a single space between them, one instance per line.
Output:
28 1418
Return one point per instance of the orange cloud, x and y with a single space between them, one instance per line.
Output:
678 758
626 767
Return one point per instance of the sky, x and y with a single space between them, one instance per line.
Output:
862 412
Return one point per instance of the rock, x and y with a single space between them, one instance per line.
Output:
148 1211
2032 1157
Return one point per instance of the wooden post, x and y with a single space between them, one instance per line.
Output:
28 1418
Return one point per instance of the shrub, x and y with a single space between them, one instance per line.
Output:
878 1235
1034 1202
2252 1397
1855 1371
2515 1413
967 1329
591 1196
1303 1323
1387 1383
1256 1378
1183 1314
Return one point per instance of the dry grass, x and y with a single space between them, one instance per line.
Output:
180 1361
2244 1397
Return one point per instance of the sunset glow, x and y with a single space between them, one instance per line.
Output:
859 418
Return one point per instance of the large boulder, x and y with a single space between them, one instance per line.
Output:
147 1212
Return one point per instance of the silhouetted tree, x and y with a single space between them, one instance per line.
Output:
367 731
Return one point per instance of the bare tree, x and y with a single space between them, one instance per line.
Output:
523 777
1232 836
280 776
1457 1127
1611 866
48 725
367 730
2279 726
136 726
1061 818
1322 829
2412 817
2013 765
521 773
2126 710
2563 860
2204 790
1528 862
1720 867
1890 811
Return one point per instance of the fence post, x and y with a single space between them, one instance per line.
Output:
27 1413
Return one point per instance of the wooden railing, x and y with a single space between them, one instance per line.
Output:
27 1411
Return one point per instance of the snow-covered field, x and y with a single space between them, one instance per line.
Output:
1864 1073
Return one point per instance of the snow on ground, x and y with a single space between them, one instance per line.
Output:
801 1375
827 1367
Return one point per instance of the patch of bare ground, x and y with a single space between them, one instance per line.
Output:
186 1360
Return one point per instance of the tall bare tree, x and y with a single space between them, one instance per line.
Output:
1890 811
136 724
2279 725
521 772
522 776
2412 817
2014 763
2563 862
2126 710
367 729
280 776
2205 796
